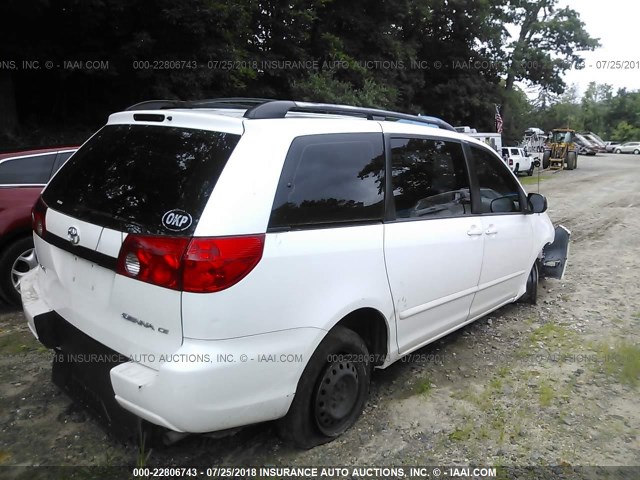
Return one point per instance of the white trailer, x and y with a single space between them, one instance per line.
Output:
494 140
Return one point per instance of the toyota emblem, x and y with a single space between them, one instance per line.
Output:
72 235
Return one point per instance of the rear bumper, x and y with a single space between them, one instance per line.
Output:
204 386
216 385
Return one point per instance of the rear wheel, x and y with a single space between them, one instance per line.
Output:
572 160
331 392
530 171
17 259
636 152
546 156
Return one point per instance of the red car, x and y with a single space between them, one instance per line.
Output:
23 175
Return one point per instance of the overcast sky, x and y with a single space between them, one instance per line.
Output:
617 24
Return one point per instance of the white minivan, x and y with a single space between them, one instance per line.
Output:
208 265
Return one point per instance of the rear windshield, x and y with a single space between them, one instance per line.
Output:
142 178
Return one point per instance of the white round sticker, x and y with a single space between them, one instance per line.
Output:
176 220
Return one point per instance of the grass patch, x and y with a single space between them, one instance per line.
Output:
18 342
496 383
621 362
4 456
533 180
546 394
550 331
462 434
425 386
142 454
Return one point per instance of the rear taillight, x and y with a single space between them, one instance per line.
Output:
213 264
198 265
38 218
511 162
152 259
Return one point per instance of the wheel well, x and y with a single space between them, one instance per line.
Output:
14 237
370 324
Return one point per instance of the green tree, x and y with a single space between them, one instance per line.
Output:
595 103
625 132
545 47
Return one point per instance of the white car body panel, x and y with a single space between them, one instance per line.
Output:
428 303
332 272
506 260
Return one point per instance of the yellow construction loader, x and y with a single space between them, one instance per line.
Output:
560 151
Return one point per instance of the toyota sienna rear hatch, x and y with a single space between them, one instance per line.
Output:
112 228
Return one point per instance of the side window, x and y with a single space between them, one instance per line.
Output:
329 179
429 178
499 191
60 159
34 170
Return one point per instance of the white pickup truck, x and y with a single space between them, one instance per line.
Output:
518 160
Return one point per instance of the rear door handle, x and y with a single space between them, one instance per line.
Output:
491 230
474 231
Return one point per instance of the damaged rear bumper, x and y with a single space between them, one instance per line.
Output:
556 254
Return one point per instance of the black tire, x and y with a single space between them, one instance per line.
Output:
572 160
546 159
516 169
617 150
17 258
530 171
338 372
531 294
636 152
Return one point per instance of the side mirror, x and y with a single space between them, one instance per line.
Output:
537 203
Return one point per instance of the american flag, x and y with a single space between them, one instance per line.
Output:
498 120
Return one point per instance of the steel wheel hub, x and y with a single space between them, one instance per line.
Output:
336 396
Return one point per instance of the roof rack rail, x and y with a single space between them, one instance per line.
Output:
280 108
231 102
263 108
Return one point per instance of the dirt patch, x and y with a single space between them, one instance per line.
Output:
551 384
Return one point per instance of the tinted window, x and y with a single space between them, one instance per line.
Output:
27 171
60 159
127 177
330 179
496 182
429 178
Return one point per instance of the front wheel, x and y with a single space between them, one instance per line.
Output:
546 159
531 294
617 150
636 152
572 160
530 171
17 259
331 392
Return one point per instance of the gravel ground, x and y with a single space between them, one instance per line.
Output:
551 384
